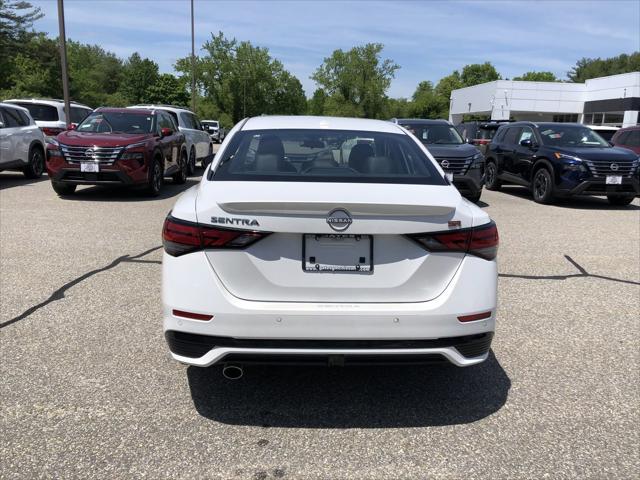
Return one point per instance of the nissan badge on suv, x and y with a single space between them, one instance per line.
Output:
463 162
561 159
118 146
333 241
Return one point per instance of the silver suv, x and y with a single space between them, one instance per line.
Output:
49 113
21 141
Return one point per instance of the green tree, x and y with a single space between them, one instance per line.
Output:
138 75
478 73
537 77
315 105
16 20
359 78
169 90
587 68
426 103
94 74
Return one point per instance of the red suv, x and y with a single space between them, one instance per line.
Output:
118 146
628 138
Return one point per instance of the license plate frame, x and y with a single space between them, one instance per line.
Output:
613 180
314 245
89 167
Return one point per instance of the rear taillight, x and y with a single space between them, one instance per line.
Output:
480 241
481 141
180 237
52 132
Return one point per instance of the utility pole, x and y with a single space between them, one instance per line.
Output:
193 63
63 62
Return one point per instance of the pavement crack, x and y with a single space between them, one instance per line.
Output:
583 274
59 293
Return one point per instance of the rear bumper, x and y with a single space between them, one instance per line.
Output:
204 350
243 330
596 186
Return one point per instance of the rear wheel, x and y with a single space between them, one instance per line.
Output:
35 168
191 165
542 186
63 189
180 176
155 180
619 200
491 181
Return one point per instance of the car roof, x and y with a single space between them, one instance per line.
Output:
147 111
632 127
173 108
293 122
422 121
47 101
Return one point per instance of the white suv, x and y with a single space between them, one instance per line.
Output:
198 142
327 240
21 141
49 114
213 128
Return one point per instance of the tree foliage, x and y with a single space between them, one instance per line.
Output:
537 77
587 68
356 81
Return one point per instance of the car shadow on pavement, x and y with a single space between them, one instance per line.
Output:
351 397
128 194
17 179
581 203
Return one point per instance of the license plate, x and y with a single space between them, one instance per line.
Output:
337 253
89 167
614 180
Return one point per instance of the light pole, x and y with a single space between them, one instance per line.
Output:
193 64
63 62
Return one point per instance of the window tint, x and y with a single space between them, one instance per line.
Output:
633 138
174 116
434 134
11 118
187 120
23 118
196 122
326 156
567 135
621 138
511 135
79 114
164 121
39 111
123 122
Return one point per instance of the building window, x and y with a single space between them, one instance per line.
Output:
613 118
566 118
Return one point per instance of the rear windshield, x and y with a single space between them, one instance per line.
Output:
79 114
39 111
117 122
210 124
435 134
325 156
571 136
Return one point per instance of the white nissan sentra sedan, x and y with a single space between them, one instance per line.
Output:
332 241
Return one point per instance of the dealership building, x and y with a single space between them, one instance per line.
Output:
613 100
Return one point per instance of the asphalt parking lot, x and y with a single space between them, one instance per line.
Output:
88 389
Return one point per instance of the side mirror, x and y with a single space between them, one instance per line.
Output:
527 143
72 126
165 132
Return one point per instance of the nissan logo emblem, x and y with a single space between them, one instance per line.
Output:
614 167
89 153
445 164
339 219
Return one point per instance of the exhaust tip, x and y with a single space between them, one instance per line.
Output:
232 372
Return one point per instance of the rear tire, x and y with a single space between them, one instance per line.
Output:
35 168
491 181
191 165
542 186
180 177
155 180
63 189
619 200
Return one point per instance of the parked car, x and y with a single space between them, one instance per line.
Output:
464 162
327 240
118 146
561 159
213 128
479 134
198 142
21 141
49 114
604 131
628 138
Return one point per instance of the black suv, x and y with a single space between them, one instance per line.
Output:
561 159
479 134
463 161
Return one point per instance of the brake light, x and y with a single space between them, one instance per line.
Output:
180 237
52 132
480 241
481 141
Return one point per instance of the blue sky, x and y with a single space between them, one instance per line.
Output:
428 39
